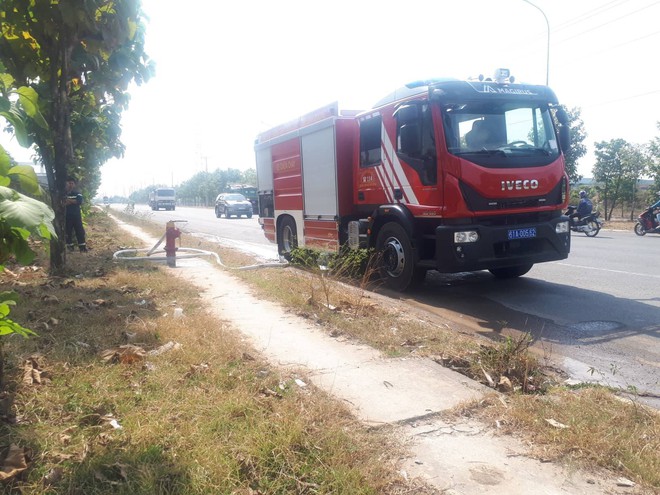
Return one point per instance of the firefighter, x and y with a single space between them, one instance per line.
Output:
74 216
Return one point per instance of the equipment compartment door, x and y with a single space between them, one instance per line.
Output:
319 174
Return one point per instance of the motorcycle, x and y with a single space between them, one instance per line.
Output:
590 225
647 223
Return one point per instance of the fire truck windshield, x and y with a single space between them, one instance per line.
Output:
501 134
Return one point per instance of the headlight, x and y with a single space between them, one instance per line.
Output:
561 228
467 236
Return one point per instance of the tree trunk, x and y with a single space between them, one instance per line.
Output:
62 146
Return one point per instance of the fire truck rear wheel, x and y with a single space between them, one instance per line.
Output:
511 271
287 238
397 266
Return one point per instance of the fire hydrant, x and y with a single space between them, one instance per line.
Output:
171 234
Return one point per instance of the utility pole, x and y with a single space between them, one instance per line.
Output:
547 50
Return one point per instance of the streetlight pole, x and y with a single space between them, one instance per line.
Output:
547 51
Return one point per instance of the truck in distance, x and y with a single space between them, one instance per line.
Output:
443 174
163 197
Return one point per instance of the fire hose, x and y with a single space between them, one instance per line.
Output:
170 253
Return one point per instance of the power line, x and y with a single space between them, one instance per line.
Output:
609 22
589 14
612 47
618 100
597 11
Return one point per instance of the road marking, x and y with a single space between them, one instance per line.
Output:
610 271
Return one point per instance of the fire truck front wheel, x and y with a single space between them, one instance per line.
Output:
287 239
397 265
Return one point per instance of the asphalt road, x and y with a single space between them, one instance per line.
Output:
596 314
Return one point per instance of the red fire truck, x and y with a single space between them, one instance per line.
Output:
442 174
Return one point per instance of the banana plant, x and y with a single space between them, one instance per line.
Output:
21 216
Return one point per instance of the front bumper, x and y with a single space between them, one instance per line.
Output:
494 249
242 210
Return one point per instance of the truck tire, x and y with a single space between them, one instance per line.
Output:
511 271
287 237
397 265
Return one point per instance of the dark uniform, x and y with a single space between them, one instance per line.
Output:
74 218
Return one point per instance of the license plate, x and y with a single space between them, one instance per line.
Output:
522 233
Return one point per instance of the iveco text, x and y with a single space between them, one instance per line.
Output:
519 185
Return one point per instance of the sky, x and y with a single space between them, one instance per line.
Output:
226 71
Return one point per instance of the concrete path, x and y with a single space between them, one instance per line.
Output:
462 458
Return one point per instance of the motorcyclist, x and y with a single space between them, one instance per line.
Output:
584 208
655 206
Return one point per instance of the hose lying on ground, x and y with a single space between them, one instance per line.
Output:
132 255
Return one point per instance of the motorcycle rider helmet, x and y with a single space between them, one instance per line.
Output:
583 194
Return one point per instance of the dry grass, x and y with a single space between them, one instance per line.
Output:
208 416
603 431
592 427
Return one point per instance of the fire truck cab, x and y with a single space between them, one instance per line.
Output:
442 174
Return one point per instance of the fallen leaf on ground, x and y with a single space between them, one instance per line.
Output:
196 369
125 354
32 370
625 482
505 384
488 377
13 463
53 476
556 424
171 345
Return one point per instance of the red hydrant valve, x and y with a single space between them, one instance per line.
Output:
171 234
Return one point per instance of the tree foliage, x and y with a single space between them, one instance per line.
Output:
79 56
619 166
577 148
203 187
654 160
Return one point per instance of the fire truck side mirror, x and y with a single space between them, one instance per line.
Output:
564 130
562 116
564 138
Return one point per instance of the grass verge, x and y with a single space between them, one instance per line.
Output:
117 395
601 431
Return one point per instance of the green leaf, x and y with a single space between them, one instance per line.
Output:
20 233
21 211
8 327
6 80
4 310
5 161
44 232
27 178
22 252
28 98
5 329
19 127
8 296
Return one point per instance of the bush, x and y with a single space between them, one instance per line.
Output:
348 263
